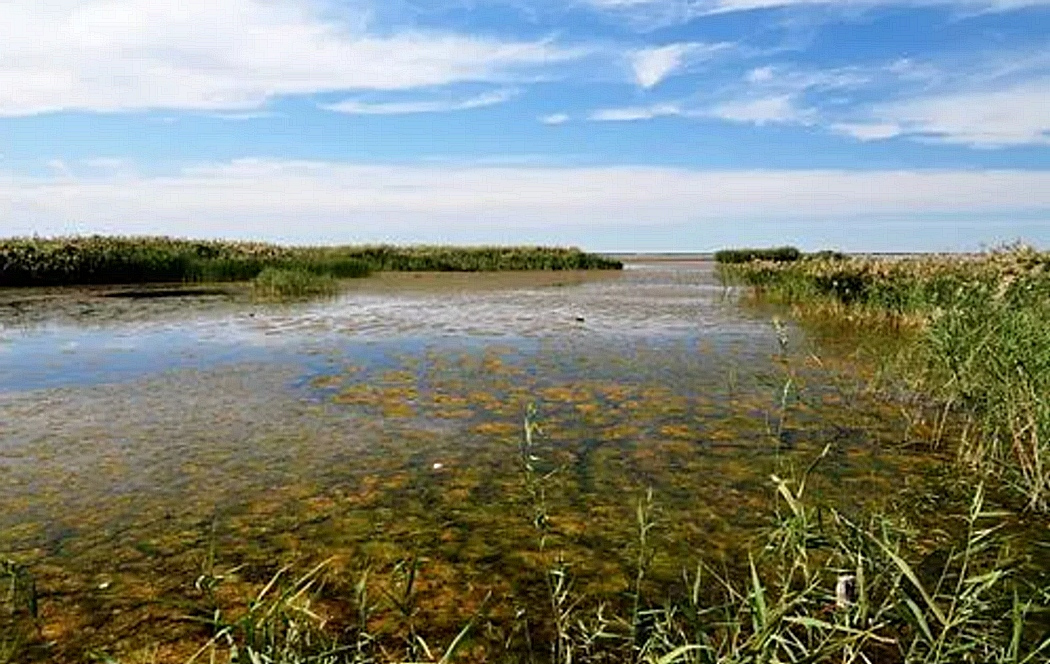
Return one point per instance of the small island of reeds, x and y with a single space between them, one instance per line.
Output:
73 261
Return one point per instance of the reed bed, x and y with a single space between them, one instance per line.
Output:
120 260
980 343
774 254
276 283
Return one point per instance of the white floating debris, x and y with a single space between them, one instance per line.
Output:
438 466
845 591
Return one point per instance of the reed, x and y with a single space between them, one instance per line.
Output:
113 260
774 254
980 344
277 283
18 610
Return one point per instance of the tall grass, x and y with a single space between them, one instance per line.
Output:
775 254
280 283
18 610
980 342
112 260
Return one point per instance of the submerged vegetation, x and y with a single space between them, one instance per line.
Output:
819 586
978 341
823 589
115 260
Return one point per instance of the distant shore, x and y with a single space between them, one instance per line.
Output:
121 260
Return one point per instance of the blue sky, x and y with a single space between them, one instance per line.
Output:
609 124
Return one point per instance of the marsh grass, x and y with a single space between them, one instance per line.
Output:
976 340
825 587
18 610
118 260
774 254
277 283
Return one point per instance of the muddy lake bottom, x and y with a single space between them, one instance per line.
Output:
144 441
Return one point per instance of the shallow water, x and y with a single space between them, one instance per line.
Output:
137 434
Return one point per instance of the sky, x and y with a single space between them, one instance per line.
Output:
614 125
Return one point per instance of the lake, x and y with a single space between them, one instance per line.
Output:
145 439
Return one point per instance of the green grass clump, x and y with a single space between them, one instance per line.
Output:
281 283
982 345
478 259
121 260
775 254
18 610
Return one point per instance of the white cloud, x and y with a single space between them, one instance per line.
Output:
631 113
657 12
338 202
106 163
767 110
984 100
867 131
650 66
779 109
555 119
1014 115
356 107
243 116
119 55
760 75
621 4
744 5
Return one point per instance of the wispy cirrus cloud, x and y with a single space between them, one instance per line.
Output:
228 55
760 111
780 109
555 119
358 107
632 113
653 13
1011 115
987 100
650 66
867 131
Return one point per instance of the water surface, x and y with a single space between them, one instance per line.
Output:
138 434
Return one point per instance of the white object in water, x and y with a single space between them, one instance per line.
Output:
845 591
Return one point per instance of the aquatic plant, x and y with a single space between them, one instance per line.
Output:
818 586
774 254
824 587
980 344
112 260
281 283
18 610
